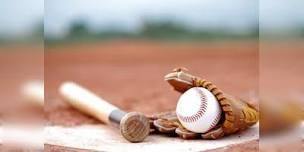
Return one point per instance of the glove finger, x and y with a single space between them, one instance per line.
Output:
179 80
214 133
165 126
186 134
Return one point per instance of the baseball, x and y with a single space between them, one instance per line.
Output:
198 110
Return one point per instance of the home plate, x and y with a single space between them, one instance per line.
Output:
105 138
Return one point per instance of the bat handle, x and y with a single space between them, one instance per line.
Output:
87 102
33 92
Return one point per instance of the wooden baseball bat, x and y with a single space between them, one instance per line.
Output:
134 126
33 92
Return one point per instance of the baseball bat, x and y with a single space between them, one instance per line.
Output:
33 92
134 126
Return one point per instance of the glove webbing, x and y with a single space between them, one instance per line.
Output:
232 122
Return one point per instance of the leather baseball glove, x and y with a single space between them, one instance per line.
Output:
237 114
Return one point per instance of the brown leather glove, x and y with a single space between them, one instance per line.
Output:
237 115
167 123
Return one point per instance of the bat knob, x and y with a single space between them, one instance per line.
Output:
134 127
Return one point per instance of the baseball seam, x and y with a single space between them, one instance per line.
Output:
215 121
200 112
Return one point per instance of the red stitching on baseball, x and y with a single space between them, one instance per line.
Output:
214 122
200 112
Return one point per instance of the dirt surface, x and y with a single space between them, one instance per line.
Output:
18 65
252 146
130 74
52 148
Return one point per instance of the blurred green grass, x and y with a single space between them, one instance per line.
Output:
165 30
79 31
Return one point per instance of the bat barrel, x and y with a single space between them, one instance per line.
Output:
134 127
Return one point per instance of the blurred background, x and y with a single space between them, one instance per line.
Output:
247 48
21 21
21 75
102 44
121 50
280 75
156 20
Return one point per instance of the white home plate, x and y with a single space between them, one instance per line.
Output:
105 138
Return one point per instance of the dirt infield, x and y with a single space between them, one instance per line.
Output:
251 146
19 64
130 74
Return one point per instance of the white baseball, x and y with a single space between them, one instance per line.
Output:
198 110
